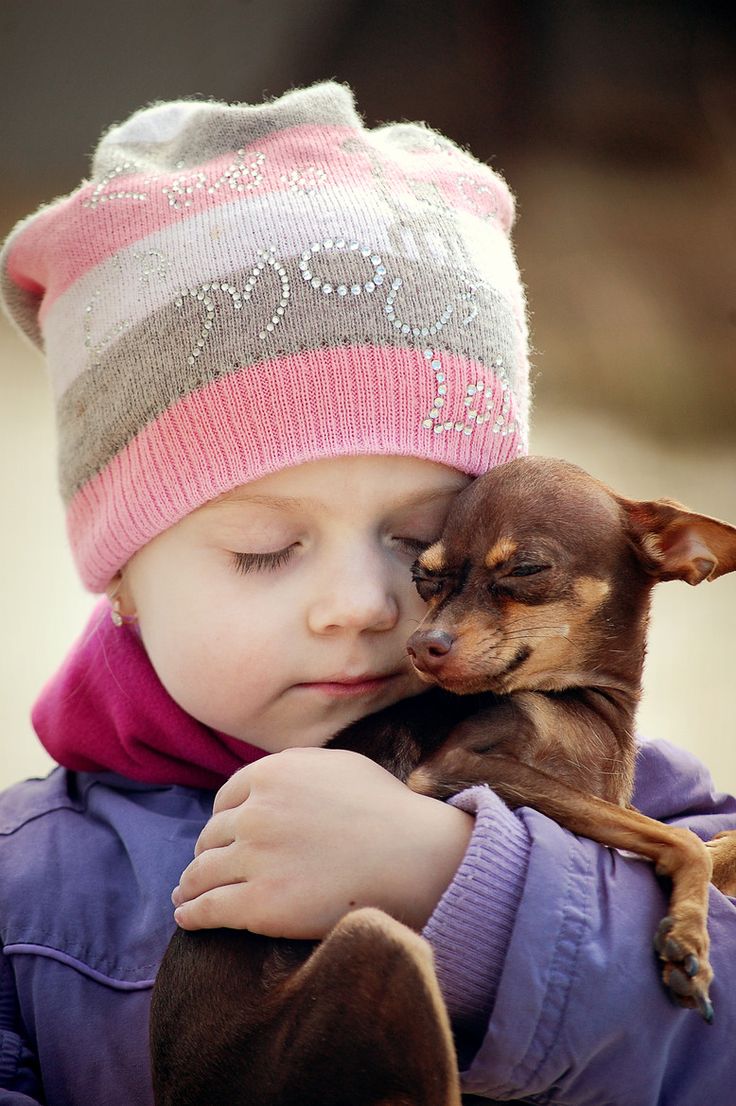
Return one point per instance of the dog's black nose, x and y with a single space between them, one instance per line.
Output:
429 648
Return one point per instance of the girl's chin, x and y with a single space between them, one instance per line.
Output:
319 711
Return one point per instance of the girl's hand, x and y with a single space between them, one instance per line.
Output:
301 837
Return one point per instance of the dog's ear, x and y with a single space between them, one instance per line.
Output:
674 543
364 1022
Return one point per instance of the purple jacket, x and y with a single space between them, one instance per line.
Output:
543 945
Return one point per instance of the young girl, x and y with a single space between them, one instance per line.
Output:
280 343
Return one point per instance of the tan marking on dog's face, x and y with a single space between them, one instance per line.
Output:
502 551
560 649
592 592
433 558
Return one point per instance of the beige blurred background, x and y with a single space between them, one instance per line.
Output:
616 127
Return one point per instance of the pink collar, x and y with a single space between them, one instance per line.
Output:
106 710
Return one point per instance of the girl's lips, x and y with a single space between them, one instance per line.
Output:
346 688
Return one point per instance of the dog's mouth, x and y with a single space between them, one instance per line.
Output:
470 679
522 656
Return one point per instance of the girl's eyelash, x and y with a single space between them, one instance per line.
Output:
248 562
256 562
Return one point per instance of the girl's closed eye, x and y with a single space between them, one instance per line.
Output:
256 562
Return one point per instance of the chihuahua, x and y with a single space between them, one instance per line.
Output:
538 595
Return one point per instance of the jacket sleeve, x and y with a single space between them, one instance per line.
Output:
19 1085
543 949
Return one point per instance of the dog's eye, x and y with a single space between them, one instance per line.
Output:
427 586
528 570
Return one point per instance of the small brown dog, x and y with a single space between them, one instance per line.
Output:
538 595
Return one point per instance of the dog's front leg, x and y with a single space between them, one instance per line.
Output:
682 938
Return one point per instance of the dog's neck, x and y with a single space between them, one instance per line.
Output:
621 641
601 707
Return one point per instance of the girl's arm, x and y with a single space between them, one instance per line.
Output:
543 947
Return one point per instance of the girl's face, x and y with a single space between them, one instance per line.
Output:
279 613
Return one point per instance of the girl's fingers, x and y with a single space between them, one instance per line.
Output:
234 792
258 907
217 867
230 907
217 833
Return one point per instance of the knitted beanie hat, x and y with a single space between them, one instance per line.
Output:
243 288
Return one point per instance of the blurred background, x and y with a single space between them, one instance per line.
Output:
615 125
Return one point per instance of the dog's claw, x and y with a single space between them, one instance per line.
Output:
664 945
691 965
680 971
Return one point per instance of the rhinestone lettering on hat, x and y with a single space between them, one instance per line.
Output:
342 245
473 288
153 263
475 194
267 257
481 395
109 336
306 180
238 176
479 401
181 189
101 196
241 177
416 330
204 294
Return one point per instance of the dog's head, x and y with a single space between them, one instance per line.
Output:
541 567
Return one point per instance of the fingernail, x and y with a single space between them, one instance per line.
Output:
176 895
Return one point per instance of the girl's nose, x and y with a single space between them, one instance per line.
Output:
356 598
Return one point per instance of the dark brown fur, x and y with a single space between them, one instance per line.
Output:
538 596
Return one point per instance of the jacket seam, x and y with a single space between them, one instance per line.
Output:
23 949
562 971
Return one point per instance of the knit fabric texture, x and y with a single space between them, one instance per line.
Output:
239 289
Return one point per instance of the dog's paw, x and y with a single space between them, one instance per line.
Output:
686 971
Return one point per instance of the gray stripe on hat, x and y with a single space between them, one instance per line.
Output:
142 278
152 366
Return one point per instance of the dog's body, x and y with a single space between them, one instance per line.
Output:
538 596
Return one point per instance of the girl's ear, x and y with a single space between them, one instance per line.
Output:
674 543
118 593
